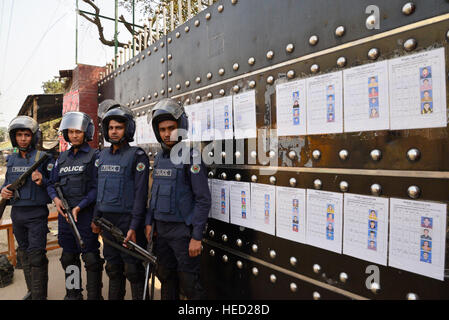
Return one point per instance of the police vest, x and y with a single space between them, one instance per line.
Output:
30 194
116 180
171 193
74 175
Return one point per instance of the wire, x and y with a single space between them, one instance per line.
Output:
7 43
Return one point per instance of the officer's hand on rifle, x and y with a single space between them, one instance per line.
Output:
194 248
131 235
75 212
59 207
95 229
6 193
36 176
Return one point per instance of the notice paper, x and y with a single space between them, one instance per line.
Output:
245 115
291 113
291 214
263 207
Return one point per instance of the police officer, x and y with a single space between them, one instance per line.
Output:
29 213
76 173
180 203
122 195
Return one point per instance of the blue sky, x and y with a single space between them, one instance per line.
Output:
37 39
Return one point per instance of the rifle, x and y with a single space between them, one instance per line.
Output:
132 248
20 182
147 269
70 219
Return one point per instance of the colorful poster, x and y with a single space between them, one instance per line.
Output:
291 214
291 112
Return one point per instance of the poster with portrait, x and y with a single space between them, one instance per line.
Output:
240 204
291 112
263 207
223 117
245 125
291 214
220 200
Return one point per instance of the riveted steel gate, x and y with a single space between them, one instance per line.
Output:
238 46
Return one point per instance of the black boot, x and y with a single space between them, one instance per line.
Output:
117 281
169 283
94 269
26 266
39 274
73 288
135 273
191 286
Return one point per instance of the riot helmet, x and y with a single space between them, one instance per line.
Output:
23 123
105 106
121 114
168 109
78 121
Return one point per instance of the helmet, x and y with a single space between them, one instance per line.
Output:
105 106
122 114
168 109
21 123
79 121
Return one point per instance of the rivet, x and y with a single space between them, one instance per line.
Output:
292 155
238 177
212 253
178 86
316 268
239 264
235 66
270 55
253 154
414 192
197 23
155 49
211 174
317 184
162 76
162 92
252 84
234 1
343 277
169 40
408 8
273 278
316 154
239 242
143 99
198 98
162 60
170 90
375 287
373 53
291 74
225 258
340 31
224 238
236 88
412 296
290 48
208 16
198 80
162 44
209 76
272 154
292 182
187 83
376 155
376 189
254 248
316 295
187 29
223 154
343 154
251 61
169 56
222 92
149 97
273 180
220 8
313 40
410 44
254 178
293 261
221 72
344 186
293 287
315 68
270 80
187 101
255 271
138 113
370 22
341 62
413 154
178 34
209 95
170 73
156 94
237 154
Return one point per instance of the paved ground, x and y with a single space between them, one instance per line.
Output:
56 279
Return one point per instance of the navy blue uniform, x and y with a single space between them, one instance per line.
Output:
121 199
77 176
180 204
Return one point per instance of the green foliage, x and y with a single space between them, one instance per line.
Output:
50 129
55 86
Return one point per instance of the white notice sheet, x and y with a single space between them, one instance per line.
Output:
245 115
325 104
209 183
418 237
366 105
144 131
224 124
365 234
263 207
207 121
291 214
220 200
240 203
418 91
324 219
291 108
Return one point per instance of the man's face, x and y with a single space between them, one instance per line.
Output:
116 130
76 137
167 129
425 72
426 94
426 232
23 138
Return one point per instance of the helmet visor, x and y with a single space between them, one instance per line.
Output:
74 120
23 122
169 106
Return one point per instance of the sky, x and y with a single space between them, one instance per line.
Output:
37 39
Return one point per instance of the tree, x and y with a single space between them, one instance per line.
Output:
3 134
57 85
147 7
